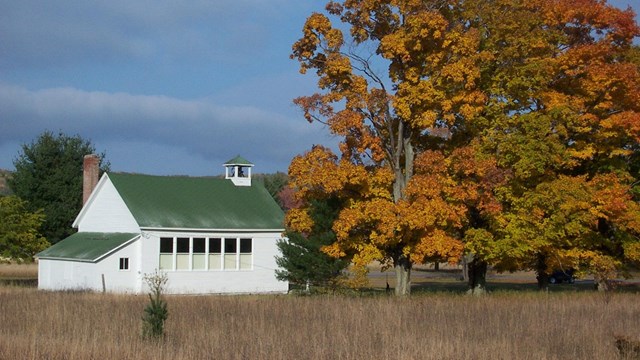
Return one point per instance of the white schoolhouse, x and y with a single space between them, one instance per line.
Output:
209 235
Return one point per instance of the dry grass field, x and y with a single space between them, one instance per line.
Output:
504 325
18 271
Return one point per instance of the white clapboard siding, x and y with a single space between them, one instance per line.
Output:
106 211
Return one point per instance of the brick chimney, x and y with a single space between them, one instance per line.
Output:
90 172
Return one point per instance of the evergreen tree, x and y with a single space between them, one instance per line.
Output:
302 260
49 176
155 313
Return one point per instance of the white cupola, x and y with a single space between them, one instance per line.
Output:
238 170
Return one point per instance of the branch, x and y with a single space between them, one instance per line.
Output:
366 68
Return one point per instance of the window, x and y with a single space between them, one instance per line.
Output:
124 263
199 245
182 253
199 250
215 254
166 245
204 253
166 253
214 246
230 246
245 246
245 254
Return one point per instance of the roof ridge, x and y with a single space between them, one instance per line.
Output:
197 202
216 177
238 160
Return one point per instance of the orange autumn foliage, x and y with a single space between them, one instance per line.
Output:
456 117
372 224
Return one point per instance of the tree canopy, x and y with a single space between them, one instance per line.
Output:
49 176
20 238
461 121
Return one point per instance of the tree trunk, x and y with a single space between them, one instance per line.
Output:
402 266
402 157
541 273
466 259
477 273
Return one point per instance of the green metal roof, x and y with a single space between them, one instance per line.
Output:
239 160
86 246
197 203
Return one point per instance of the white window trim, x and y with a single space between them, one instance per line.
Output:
207 253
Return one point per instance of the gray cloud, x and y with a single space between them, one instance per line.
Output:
170 128
68 32
162 86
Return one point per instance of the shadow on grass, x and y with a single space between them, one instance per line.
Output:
443 272
26 282
460 287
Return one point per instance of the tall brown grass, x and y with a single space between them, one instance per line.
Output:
65 325
18 271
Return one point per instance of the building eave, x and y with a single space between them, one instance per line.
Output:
65 259
199 230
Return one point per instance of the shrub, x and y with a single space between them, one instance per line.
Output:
155 313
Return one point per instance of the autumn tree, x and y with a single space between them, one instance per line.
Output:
49 176
563 116
531 91
20 236
396 124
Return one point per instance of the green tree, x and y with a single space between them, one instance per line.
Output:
49 176
303 261
20 238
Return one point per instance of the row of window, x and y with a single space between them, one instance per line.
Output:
201 253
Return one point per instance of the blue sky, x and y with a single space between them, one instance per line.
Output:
162 86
